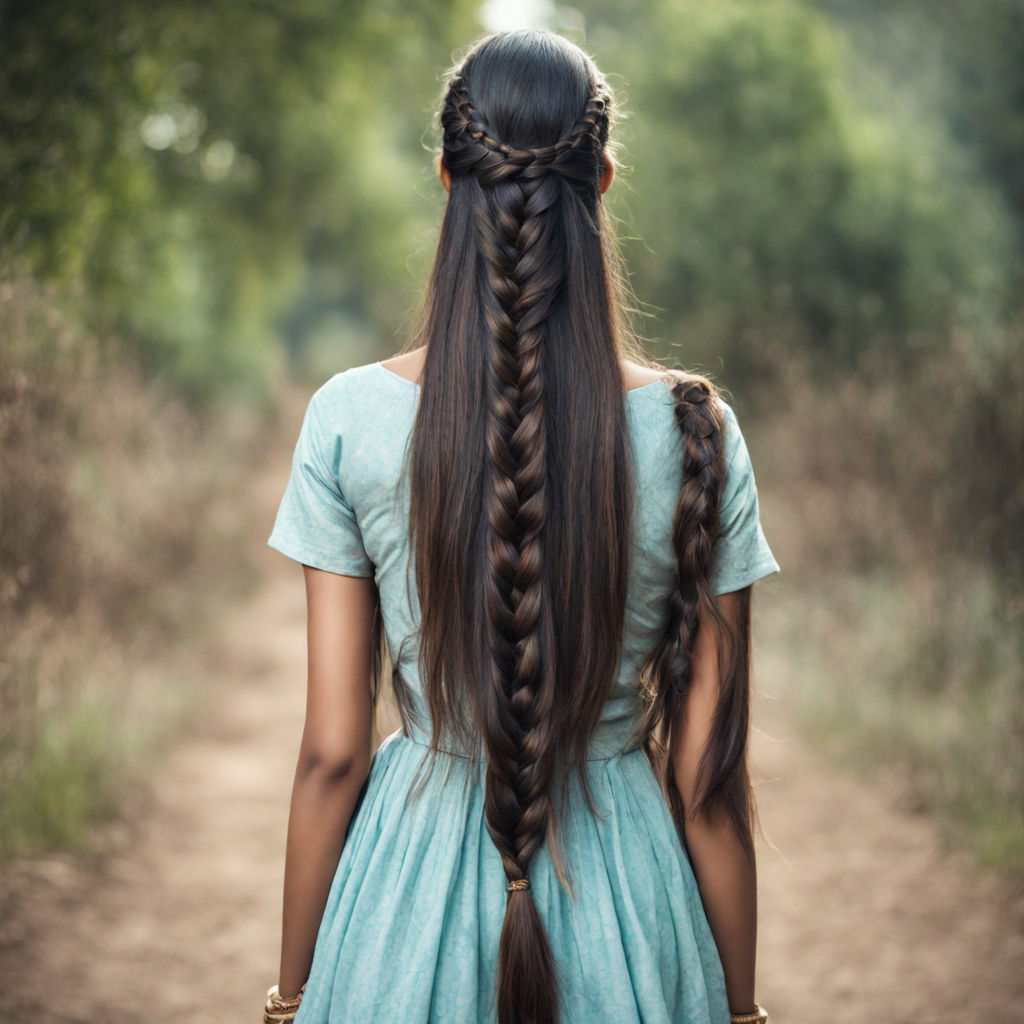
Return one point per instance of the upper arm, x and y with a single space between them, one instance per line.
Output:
338 732
316 525
689 732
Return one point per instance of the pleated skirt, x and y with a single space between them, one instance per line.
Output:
410 931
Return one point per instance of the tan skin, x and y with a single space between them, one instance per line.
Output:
336 750
725 873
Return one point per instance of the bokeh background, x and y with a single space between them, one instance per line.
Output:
208 209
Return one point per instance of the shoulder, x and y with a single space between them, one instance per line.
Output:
733 445
730 424
667 396
638 375
346 396
347 383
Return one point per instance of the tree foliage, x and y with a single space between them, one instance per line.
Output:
775 201
831 176
179 166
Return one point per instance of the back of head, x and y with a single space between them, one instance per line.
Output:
524 104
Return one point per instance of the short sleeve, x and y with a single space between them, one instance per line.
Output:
315 523
741 553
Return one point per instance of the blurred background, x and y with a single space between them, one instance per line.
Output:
208 209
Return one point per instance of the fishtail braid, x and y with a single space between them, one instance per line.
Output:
519 766
523 270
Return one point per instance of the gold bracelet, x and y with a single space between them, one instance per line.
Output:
759 1016
277 1009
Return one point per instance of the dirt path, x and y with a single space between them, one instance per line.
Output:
863 919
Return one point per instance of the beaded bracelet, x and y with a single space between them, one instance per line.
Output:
758 1016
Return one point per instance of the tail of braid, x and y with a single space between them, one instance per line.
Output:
523 271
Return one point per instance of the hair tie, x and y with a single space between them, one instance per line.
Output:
516 884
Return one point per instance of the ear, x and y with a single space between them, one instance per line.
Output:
607 171
442 173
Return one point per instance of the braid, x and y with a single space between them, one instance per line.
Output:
470 148
696 524
694 531
523 263
519 698
517 772
521 490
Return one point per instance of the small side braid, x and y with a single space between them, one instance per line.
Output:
694 531
695 528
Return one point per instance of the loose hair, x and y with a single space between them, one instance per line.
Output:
521 483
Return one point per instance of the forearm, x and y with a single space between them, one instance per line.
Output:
321 808
727 878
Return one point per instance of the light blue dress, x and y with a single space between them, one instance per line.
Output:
410 930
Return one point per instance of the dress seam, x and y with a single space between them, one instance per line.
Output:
628 749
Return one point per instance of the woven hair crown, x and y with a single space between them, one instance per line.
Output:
471 148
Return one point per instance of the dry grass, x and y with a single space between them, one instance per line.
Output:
894 504
120 513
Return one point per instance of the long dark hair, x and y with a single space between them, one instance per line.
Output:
521 483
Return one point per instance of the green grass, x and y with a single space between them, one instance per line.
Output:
71 779
89 721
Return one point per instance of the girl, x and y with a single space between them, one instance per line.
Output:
556 545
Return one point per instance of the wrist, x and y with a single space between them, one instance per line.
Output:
756 1015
